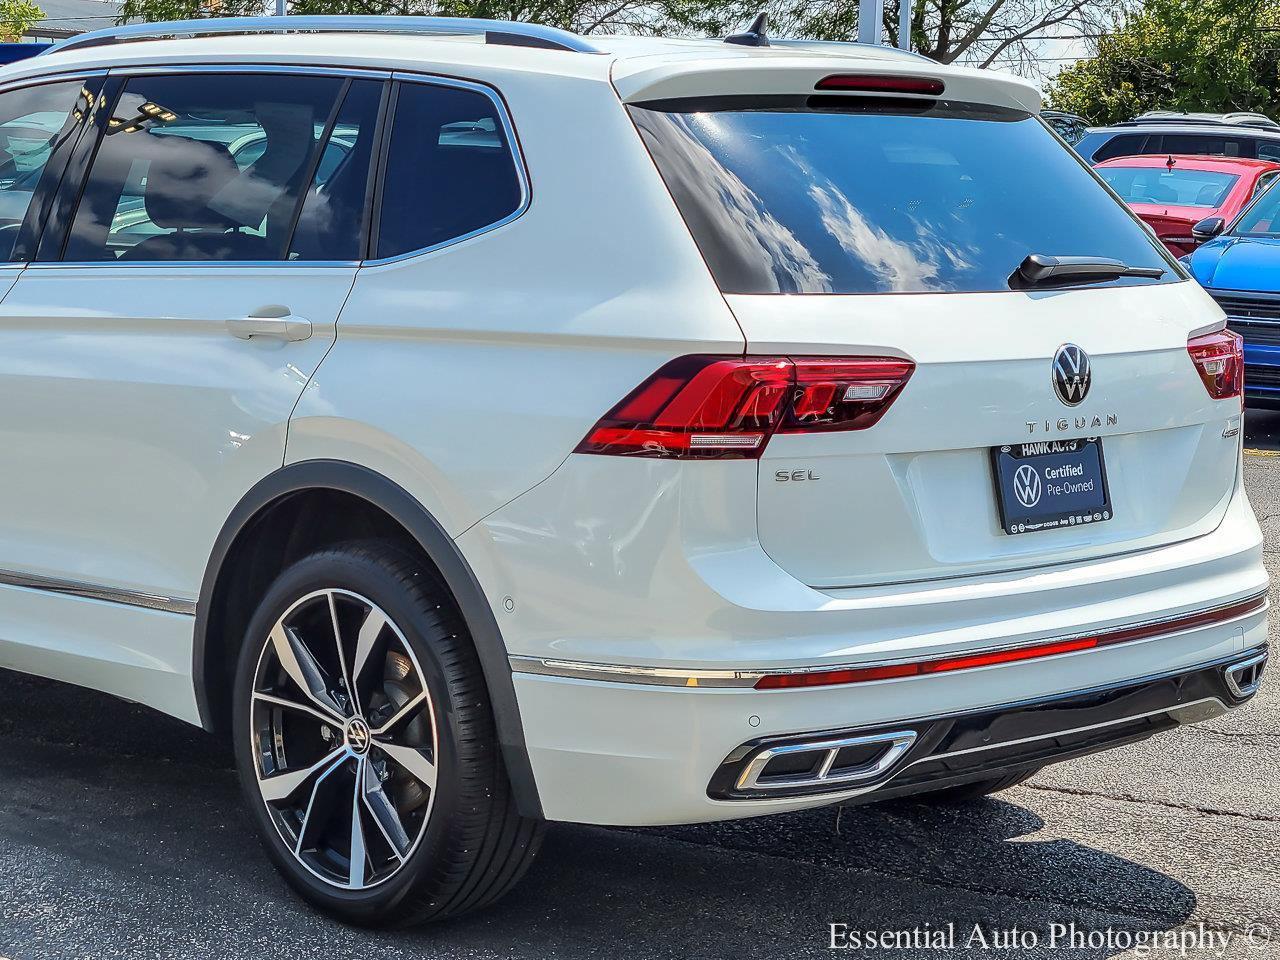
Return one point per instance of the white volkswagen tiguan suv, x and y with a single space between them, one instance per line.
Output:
486 425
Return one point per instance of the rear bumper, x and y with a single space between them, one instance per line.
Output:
629 753
929 753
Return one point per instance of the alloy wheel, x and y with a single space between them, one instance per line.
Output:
345 740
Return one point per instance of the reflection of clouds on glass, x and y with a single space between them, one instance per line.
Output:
744 222
898 265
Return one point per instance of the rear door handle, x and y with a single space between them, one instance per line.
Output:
271 322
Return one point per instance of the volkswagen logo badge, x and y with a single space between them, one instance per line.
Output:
1071 374
358 736
1026 486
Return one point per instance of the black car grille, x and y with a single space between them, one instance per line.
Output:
1256 318
1257 375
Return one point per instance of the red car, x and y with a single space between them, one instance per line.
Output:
1173 193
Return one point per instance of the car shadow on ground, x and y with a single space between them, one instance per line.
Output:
144 814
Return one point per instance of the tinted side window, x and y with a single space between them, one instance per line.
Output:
449 172
332 224
1128 145
1268 150
165 184
1206 145
33 121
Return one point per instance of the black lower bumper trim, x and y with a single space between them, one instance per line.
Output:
956 749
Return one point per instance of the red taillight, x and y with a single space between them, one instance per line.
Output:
712 407
874 83
1219 359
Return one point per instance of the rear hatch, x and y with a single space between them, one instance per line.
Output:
881 226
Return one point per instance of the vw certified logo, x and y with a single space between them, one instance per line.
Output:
1026 486
1071 374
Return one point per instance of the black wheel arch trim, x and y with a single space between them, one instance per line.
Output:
399 504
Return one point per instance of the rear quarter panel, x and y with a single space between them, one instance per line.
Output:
468 374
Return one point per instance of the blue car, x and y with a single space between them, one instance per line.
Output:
1240 268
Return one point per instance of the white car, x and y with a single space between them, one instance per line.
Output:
620 430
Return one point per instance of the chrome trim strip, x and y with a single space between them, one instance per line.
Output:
899 743
143 265
1174 711
249 66
89 591
621 673
675 677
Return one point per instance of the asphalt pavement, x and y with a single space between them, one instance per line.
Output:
122 836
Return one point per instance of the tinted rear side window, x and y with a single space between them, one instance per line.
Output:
449 170
1205 145
1129 145
785 198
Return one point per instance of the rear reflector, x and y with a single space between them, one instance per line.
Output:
703 407
919 668
1219 359
873 83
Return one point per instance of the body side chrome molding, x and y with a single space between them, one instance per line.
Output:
674 677
89 591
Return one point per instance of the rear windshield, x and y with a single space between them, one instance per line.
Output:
836 195
1180 188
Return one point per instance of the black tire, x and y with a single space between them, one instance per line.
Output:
472 844
978 789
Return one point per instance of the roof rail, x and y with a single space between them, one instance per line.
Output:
508 32
1236 119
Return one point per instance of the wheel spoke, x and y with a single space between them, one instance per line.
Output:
311 804
412 760
304 671
355 874
369 630
285 704
384 813
342 654
281 786
409 708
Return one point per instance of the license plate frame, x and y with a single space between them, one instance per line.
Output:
1068 506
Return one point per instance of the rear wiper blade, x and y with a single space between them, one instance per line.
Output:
1040 270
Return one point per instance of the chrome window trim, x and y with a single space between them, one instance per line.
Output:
675 677
247 66
514 150
192 264
40 79
89 591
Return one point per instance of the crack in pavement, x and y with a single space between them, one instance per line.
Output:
1129 798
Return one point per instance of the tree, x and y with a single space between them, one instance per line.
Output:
16 18
983 33
986 33
581 16
1210 55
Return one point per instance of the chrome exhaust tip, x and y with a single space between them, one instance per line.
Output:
1244 678
827 765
